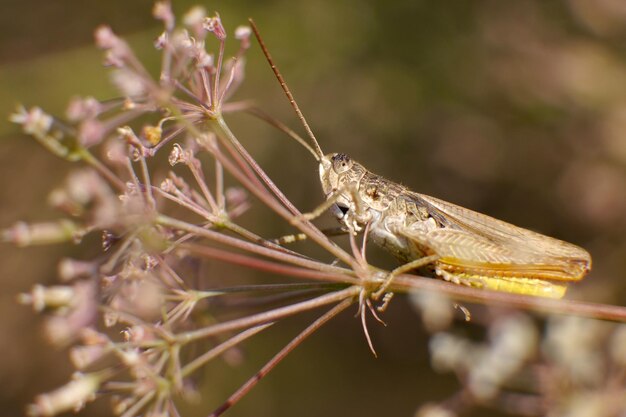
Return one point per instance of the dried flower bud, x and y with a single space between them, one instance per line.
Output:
126 133
71 269
129 104
204 59
167 186
161 41
152 134
108 240
34 121
162 10
138 334
181 41
24 234
61 200
61 329
70 397
40 297
91 132
243 33
81 108
105 38
178 155
194 18
214 25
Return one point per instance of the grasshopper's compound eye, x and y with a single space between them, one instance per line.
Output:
341 163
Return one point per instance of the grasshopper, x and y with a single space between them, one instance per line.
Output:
459 245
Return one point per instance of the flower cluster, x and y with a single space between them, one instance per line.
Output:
152 227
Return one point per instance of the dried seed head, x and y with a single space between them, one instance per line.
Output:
194 18
91 132
162 10
106 39
81 108
178 155
152 134
70 397
243 33
161 41
214 25
55 297
108 240
34 121
24 234
204 59
71 269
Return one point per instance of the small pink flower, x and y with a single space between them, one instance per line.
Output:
214 25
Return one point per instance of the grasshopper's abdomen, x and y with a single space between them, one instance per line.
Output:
490 280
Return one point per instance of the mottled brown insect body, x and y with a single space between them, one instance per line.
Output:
472 248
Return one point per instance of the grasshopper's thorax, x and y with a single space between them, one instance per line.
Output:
339 173
381 202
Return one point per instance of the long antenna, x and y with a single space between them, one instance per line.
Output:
283 85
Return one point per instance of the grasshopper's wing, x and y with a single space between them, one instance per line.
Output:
474 243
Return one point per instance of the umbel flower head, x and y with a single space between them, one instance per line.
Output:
153 226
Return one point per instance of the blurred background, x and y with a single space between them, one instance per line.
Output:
514 109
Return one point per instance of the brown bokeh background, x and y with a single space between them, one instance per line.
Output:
515 109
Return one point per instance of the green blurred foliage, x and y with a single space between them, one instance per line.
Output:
515 109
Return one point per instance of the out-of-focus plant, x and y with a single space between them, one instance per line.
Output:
130 315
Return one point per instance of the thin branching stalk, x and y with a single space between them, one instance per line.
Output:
271 364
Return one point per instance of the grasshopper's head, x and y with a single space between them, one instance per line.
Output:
333 169
338 173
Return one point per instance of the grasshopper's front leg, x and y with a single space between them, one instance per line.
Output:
353 218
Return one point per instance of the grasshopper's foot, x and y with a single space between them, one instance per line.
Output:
386 300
